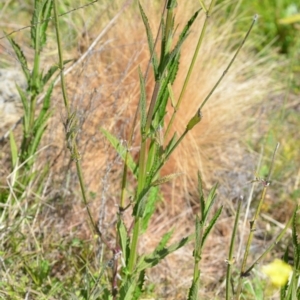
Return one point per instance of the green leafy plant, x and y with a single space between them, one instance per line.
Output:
202 231
35 118
156 147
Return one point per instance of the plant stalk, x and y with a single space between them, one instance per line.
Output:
231 259
243 272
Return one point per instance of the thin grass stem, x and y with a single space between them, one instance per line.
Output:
74 150
230 63
271 246
243 271
231 259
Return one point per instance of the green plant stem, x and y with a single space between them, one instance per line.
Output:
144 148
152 105
253 226
67 106
191 67
141 184
61 61
142 160
231 259
272 245
130 140
230 64
198 251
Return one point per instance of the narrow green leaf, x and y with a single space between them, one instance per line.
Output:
150 208
46 105
25 102
140 206
173 68
45 18
151 260
198 242
171 4
193 292
123 236
52 70
149 37
142 102
165 239
35 21
211 224
210 200
139 286
148 29
13 149
177 47
201 196
171 144
153 162
121 150
21 57
160 109
39 131
128 288
163 42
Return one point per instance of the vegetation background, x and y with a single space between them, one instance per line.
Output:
47 249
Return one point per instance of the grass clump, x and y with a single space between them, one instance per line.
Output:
111 265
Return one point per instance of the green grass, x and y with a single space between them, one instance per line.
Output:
42 265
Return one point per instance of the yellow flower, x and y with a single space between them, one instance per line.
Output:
278 271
